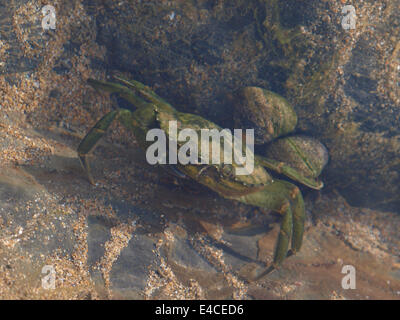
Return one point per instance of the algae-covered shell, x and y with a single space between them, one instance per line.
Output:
269 114
305 154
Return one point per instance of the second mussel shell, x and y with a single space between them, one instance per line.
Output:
269 114
305 154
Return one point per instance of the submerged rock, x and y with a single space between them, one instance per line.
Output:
269 114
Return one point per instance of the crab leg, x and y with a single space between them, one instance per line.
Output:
285 233
92 138
99 129
122 90
299 217
95 134
286 199
144 90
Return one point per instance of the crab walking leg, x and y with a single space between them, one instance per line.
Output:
298 221
123 91
285 233
94 135
144 90
285 198
282 244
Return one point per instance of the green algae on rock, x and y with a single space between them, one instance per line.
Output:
307 155
269 114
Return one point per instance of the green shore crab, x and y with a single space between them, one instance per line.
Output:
299 158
